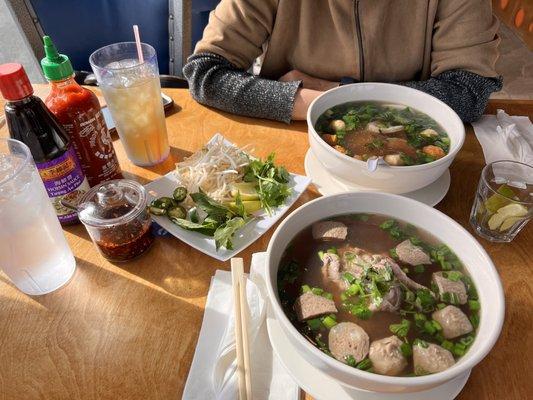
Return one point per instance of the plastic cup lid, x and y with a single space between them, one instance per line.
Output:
111 203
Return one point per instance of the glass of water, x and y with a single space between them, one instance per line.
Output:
33 251
504 200
133 94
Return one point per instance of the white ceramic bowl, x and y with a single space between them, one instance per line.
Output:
385 178
473 256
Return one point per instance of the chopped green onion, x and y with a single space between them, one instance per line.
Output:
361 311
333 250
450 298
459 350
350 360
448 345
474 319
315 324
440 306
364 365
387 224
429 328
421 343
454 275
474 305
348 277
329 321
436 325
406 350
306 288
321 255
419 269
393 253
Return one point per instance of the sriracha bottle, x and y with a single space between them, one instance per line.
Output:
78 110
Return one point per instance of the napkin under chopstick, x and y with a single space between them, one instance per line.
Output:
212 374
505 137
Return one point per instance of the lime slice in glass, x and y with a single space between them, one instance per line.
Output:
494 202
509 222
508 211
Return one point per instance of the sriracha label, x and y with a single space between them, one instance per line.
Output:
78 110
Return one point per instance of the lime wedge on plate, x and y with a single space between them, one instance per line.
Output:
503 213
246 189
495 202
509 222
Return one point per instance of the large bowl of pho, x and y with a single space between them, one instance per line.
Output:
382 292
413 135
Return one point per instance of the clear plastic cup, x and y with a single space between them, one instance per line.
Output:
116 218
504 200
133 94
33 251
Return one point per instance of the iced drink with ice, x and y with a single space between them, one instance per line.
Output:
133 94
33 251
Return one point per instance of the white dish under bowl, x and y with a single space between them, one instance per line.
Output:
385 178
474 257
327 184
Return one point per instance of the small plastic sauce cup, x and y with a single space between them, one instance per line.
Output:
115 215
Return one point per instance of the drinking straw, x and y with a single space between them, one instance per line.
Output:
138 43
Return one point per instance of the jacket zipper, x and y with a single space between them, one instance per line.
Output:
359 37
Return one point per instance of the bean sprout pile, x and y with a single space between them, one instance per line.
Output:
213 170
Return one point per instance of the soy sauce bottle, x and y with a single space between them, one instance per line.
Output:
29 121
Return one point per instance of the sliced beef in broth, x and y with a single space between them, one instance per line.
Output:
329 230
310 305
453 321
391 301
332 267
449 289
411 254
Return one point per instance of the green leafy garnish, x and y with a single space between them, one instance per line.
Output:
271 182
401 329
225 232
220 222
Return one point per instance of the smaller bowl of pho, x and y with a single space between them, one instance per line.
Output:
413 135
383 293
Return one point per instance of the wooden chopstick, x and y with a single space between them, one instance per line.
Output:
238 281
245 339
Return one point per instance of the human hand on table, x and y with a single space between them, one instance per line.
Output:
311 88
308 81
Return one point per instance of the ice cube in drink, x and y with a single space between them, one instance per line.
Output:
33 251
134 99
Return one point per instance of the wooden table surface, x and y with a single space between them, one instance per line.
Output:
128 331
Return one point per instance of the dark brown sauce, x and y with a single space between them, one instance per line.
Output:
127 241
366 235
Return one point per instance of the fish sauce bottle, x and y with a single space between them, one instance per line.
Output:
78 110
29 121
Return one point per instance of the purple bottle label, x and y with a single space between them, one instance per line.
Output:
64 179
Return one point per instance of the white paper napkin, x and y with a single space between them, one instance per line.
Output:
212 374
503 137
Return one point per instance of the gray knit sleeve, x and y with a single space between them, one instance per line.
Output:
465 92
216 82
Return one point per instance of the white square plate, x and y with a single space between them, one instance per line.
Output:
244 237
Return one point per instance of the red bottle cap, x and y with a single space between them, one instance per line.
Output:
14 83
